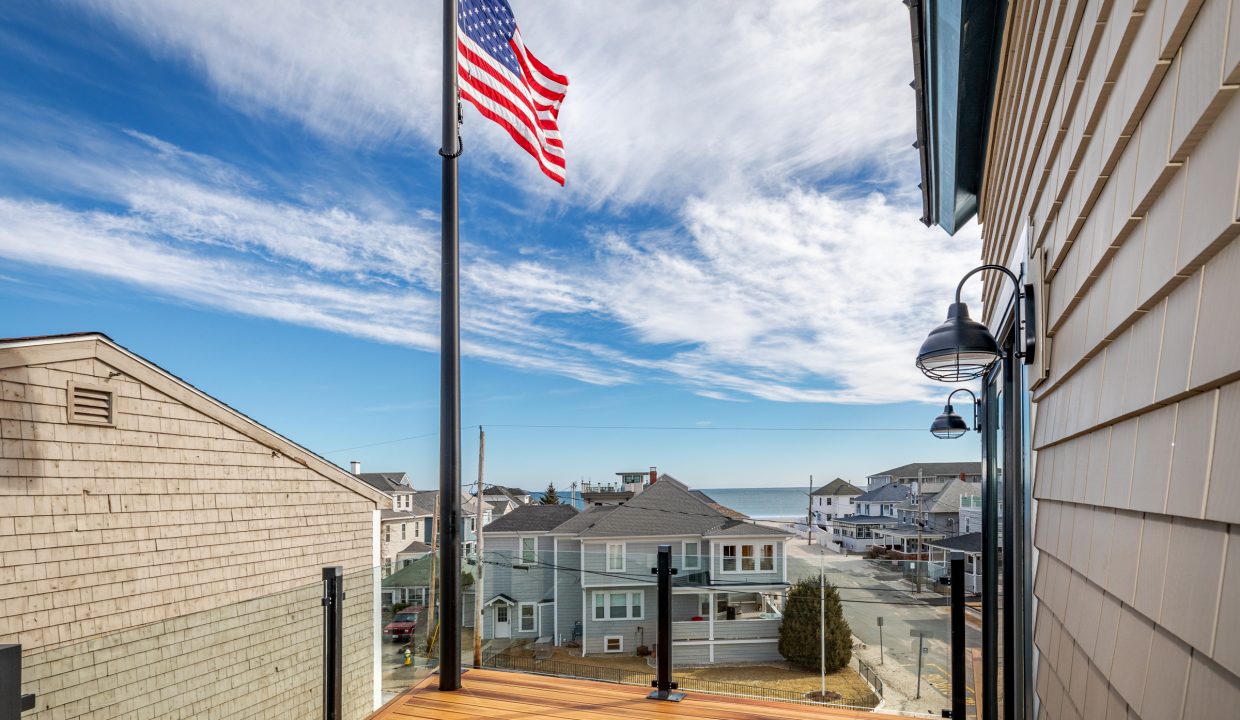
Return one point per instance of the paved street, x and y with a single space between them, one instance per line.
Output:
870 591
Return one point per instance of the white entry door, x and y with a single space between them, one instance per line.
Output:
502 628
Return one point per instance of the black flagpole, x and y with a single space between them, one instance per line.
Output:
450 377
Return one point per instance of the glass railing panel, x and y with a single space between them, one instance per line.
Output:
601 623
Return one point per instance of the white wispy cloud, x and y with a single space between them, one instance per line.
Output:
667 99
794 296
768 275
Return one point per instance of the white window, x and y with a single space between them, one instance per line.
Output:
692 555
766 561
526 615
615 557
828 501
529 551
748 558
404 529
613 643
625 605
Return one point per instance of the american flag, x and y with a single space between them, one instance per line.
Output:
503 79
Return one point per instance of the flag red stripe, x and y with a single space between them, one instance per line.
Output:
536 90
519 92
537 128
551 75
516 135
502 76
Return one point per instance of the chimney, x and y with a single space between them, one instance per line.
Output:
355 467
654 475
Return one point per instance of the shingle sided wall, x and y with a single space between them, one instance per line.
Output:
169 567
1117 132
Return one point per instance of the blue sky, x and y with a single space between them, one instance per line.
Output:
248 196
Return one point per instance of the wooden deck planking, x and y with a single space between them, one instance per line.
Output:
496 695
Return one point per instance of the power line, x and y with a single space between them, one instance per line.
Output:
708 427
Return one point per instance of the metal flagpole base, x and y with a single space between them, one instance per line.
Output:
666 695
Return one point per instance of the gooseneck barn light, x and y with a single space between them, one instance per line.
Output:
962 348
948 425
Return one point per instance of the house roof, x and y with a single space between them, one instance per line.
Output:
397 515
80 346
584 519
867 519
666 507
737 528
388 482
501 490
415 574
532 518
932 468
969 543
838 486
890 492
417 546
947 500
423 502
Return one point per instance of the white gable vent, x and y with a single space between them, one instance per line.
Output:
90 404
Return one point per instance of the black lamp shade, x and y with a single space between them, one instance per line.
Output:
960 349
948 425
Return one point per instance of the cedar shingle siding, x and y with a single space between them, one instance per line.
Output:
1116 131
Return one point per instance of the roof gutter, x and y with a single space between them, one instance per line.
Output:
923 146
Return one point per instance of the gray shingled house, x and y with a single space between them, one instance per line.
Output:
561 577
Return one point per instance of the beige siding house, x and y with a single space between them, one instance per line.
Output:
1109 178
1121 152
161 553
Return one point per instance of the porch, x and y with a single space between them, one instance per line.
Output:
490 694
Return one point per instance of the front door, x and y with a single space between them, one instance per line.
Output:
502 629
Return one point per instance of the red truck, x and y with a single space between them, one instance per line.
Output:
403 625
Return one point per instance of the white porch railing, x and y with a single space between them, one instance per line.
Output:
726 629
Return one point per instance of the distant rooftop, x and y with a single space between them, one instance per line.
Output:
931 469
838 486
532 518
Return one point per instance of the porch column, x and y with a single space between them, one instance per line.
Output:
710 632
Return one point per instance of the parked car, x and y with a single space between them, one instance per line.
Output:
403 624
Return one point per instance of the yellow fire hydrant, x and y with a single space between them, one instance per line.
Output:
408 657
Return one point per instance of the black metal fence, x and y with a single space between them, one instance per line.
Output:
867 673
535 666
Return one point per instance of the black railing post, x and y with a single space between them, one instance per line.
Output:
333 642
663 684
958 635
12 702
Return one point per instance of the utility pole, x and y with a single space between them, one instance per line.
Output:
430 613
809 513
478 594
920 520
822 621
